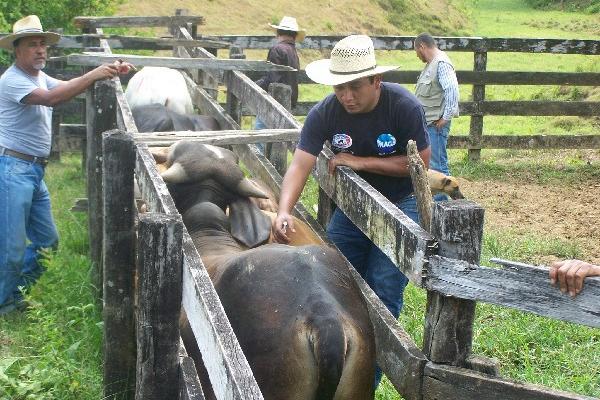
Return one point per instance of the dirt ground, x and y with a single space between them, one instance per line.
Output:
569 213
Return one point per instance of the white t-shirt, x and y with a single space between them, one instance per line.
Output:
24 128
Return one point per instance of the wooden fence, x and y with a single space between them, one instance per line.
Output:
170 271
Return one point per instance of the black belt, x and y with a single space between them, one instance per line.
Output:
38 160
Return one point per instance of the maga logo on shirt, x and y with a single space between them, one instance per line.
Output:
341 141
386 143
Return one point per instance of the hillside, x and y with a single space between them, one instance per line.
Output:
383 17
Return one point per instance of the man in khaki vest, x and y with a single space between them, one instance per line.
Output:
437 90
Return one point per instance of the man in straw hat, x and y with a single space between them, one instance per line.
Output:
283 53
368 123
27 96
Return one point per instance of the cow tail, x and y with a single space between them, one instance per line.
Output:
329 346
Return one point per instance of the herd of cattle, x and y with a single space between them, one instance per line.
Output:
297 312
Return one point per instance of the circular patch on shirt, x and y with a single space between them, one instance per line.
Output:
386 143
341 141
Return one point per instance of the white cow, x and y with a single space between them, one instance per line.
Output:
159 85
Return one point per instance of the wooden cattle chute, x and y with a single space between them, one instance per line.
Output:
444 262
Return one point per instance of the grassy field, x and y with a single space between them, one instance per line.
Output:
53 351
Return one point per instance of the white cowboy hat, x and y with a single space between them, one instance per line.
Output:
290 24
352 57
28 26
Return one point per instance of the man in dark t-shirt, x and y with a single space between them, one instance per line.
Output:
368 123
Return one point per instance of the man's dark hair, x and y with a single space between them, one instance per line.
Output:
281 32
16 42
426 39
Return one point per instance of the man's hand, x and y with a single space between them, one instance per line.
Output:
570 275
282 223
345 159
440 123
109 71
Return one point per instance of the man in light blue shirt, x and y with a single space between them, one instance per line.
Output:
437 90
27 96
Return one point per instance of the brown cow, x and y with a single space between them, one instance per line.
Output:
296 311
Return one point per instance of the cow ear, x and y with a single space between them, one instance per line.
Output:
249 225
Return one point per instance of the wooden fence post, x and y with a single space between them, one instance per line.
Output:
159 291
233 105
458 227
55 146
119 265
101 117
476 128
277 152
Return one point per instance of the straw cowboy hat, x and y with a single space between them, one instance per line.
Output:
352 57
28 26
290 24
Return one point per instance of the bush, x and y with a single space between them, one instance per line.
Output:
53 14
589 6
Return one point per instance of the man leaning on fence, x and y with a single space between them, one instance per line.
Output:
27 96
437 90
368 123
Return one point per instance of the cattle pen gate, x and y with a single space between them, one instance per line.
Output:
145 349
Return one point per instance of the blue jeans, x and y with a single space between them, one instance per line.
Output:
439 141
370 262
25 215
258 125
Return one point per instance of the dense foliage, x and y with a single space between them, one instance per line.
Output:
54 14
589 6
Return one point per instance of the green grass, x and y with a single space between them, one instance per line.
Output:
53 350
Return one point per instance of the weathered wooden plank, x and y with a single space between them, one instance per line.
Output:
228 370
259 102
55 135
397 355
557 141
119 265
399 237
445 382
575 108
277 152
218 137
173 62
478 96
209 106
189 384
153 188
485 77
515 108
124 116
458 227
409 77
137 42
159 293
315 42
207 79
129 21
526 288
101 118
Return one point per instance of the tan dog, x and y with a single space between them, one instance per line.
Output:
441 183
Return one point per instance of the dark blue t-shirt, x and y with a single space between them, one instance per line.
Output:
385 131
